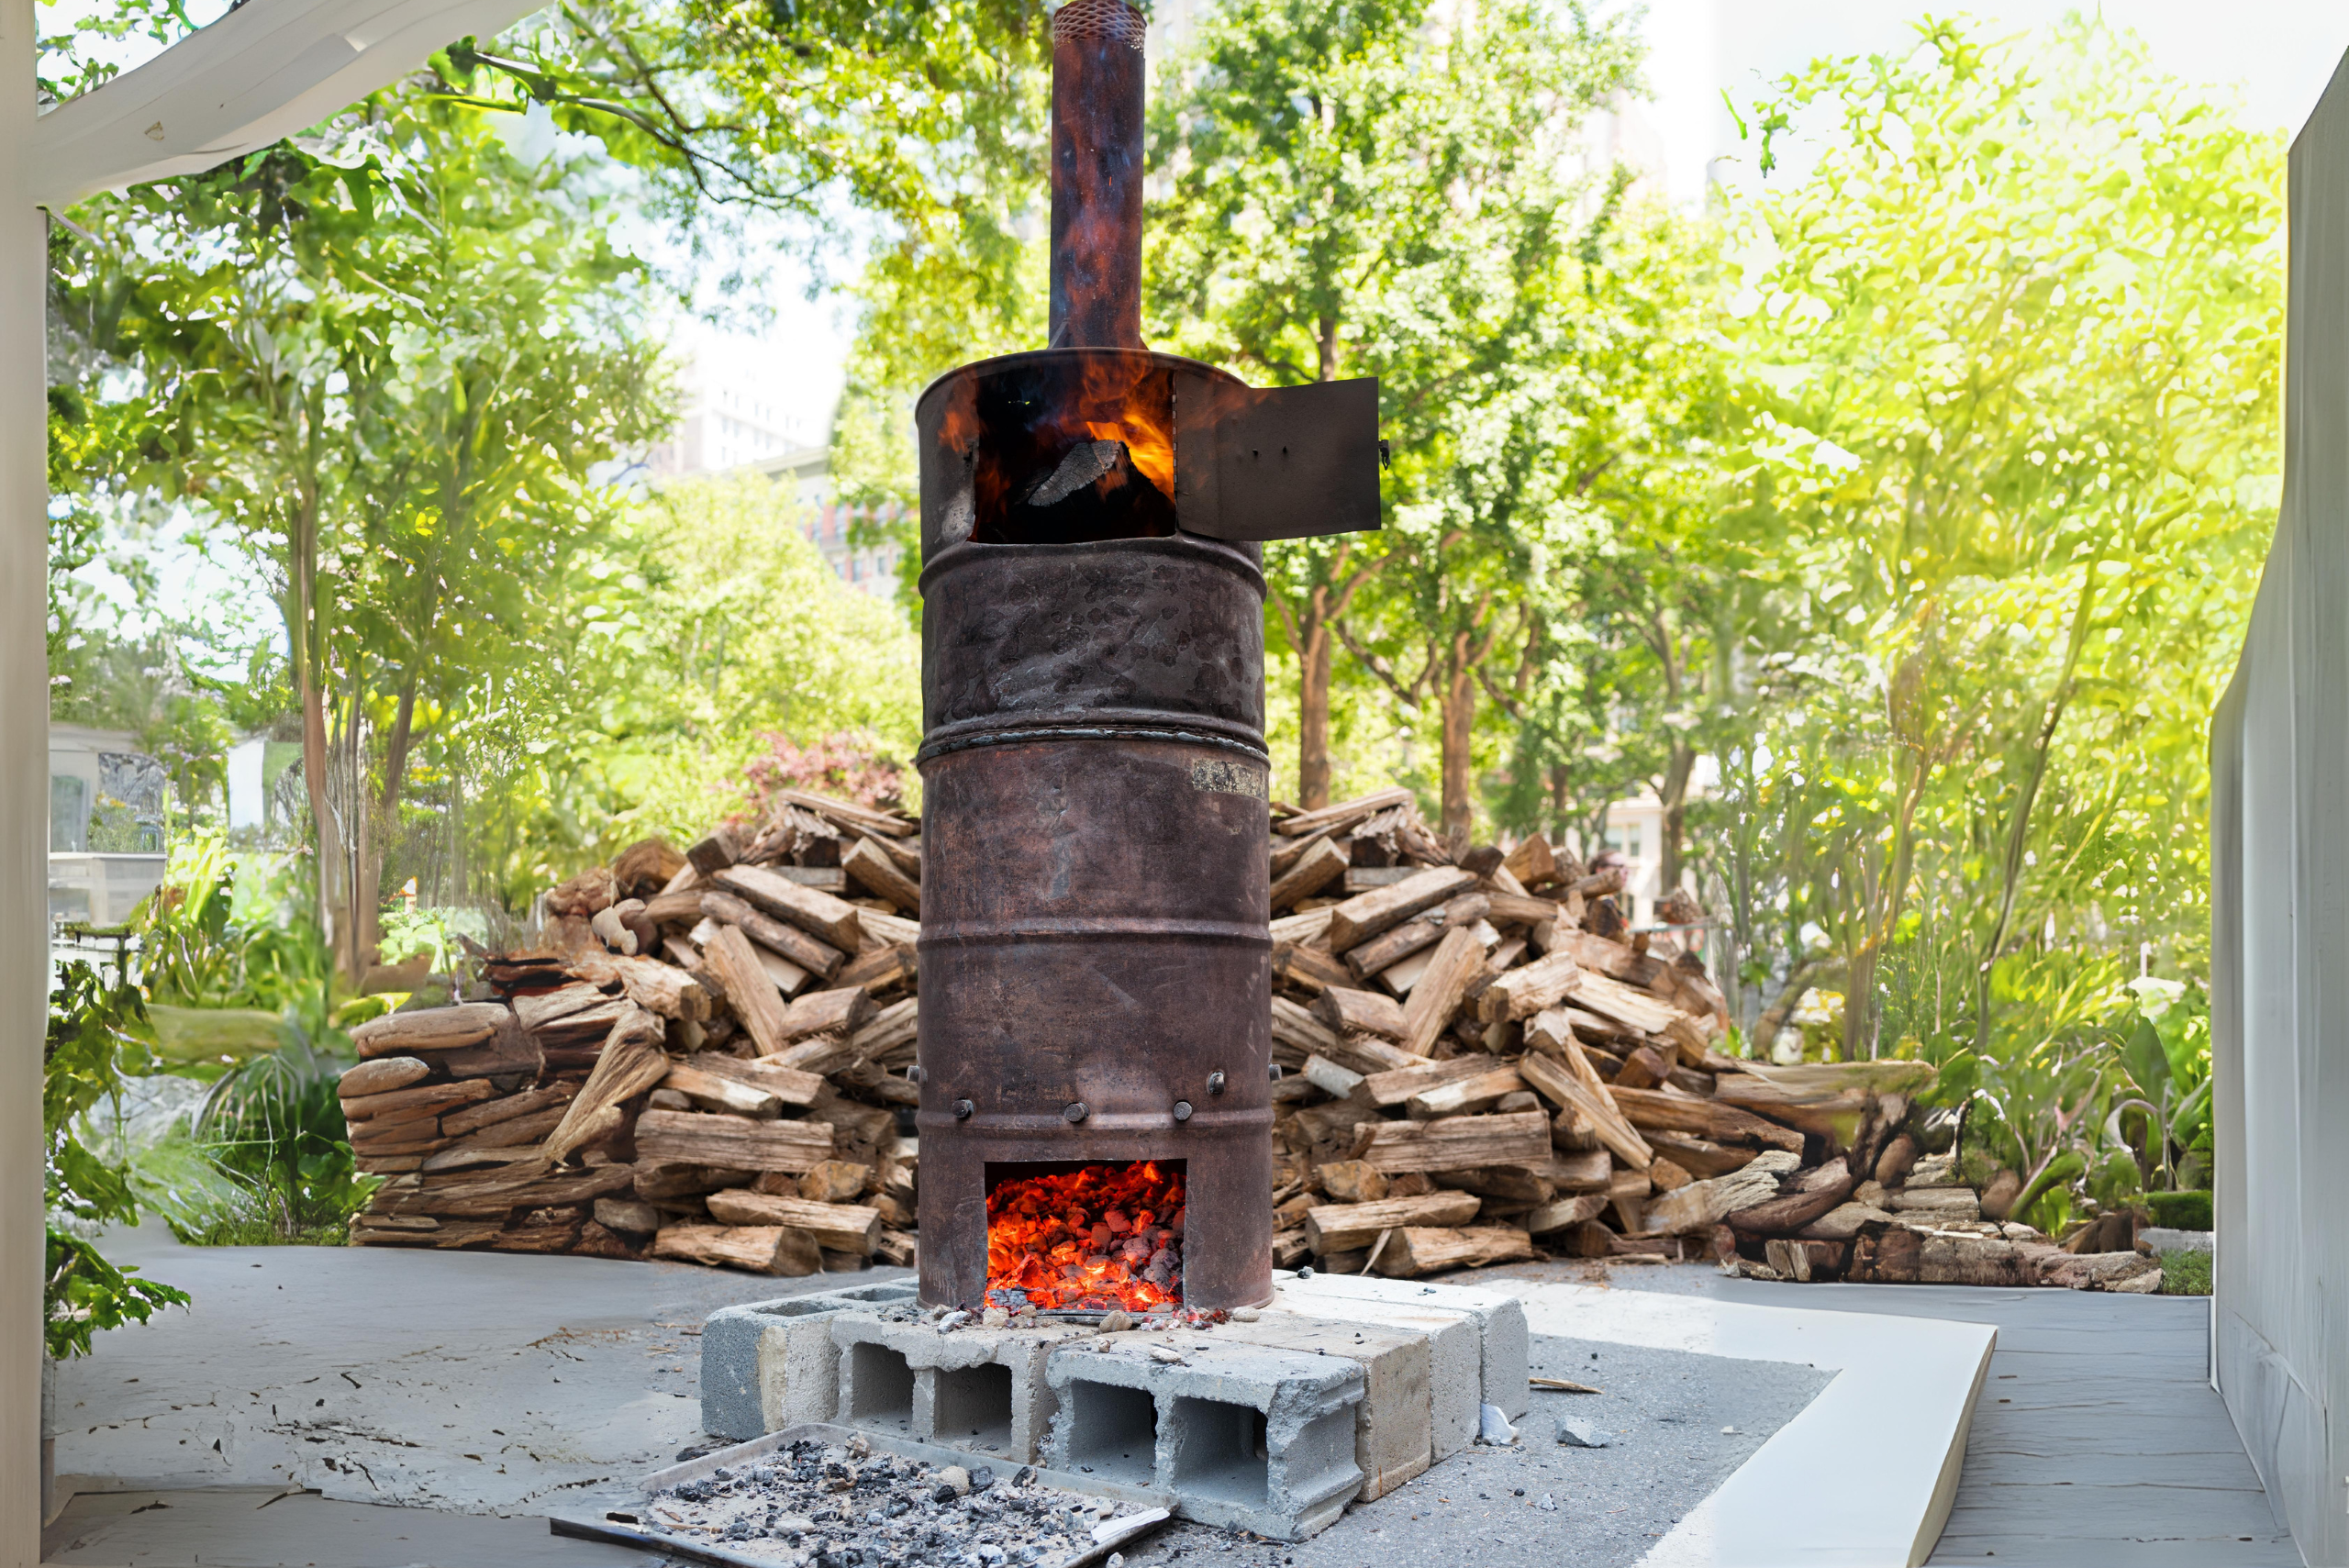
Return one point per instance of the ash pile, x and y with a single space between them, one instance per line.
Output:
845 1506
1485 1064
703 1059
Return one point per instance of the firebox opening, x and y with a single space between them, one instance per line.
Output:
1086 1236
1068 449
881 1390
1220 1450
1116 1428
974 1407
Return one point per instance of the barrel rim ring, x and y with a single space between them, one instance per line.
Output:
932 750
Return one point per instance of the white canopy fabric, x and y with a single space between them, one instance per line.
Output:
2279 935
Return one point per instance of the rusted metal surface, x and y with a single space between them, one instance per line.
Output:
1097 81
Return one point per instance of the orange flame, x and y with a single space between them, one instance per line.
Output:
1123 401
1093 1239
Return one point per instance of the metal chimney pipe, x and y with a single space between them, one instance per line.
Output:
1097 81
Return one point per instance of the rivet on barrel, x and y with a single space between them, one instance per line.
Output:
1182 1110
1215 1082
963 1109
1076 1110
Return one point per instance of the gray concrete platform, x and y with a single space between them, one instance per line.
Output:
2096 1437
262 1527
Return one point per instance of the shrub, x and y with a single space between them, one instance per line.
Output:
2180 1211
2186 1272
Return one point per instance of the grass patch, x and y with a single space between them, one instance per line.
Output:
2186 1272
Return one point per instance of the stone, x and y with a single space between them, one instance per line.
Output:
768 1364
1504 1341
1580 1434
1241 1437
956 1480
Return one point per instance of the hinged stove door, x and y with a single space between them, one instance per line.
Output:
1275 462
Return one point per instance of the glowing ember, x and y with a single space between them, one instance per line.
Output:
1088 1240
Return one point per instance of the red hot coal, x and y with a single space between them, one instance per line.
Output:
1095 1043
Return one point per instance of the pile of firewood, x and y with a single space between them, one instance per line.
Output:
1485 1063
702 1058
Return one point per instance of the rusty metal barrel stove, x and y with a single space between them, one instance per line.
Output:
1095 955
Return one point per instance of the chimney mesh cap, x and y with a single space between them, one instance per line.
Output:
1100 20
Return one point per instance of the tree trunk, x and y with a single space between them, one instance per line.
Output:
1459 734
1674 796
367 897
1313 661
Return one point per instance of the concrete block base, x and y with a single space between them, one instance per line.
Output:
1241 1436
981 1390
1505 1344
1455 1357
770 1364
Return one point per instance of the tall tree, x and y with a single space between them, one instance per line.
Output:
1374 189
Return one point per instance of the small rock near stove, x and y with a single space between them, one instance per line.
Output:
1580 1434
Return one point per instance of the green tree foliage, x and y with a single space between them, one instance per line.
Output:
2011 345
1359 189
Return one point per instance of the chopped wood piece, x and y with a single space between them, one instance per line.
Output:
1364 916
1643 1068
1503 1184
429 1028
1397 1085
837 1227
1311 929
1576 1086
388 1073
1519 909
661 988
1342 1226
1366 1053
1816 1192
830 918
880 969
632 1063
1416 1250
716 853
1456 1143
1707 1120
834 1181
529 1102
778 937
1698 1207
1458 960
899 1251
1346 813
720 1094
1301 1032
1463 1096
888 1039
820 1054
468 1196
856 818
749 991
1564 1213
1532 862
756 1248
874 870
658 1182
1353 1181
1321 864
430 1098
787 1085
510 1049
692 1138
1634 1009
1698 1157
836 1012
1329 1078
1309 968
1348 1011
1522 993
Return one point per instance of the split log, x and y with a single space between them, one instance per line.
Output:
428 1029
1301 1032
529 1102
1532 862
786 1084
515 1132
1707 1120
871 869
1345 813
895 965
713 854
837 1227
1844 1221
1643 1068
1463 1096
1816 1192
548 1008
1309 969
757 1249
712 1092
756 1002
836 1012
1416 1250
657 1183
1584 1172
663 989
1459 959
834 1181
1383 952
1502 1184
1397 1085
1519 910
1564 1213
899 1251
430 1099
833 919
1321 864
381 1076
1342 1226
1582 1092
628 1216
888 1040
785 940
469 1196
1353 1181
1457 1143
632 1063
1522 993
701 1138
1632 1009
1361 918
1699 1158
510 1049
1698 1207
881 930
854 818
1348 1011
819 1053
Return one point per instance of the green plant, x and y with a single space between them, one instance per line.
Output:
2180 1211
91 1027
273 1129
2186 1272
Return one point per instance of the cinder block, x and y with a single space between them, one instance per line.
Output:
1506 1343
767 1364
973 1388
1393 1427
1455 1357
1244 1437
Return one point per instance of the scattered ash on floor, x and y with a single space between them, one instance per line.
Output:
813 1505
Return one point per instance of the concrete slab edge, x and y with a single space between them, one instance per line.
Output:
1904 1394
